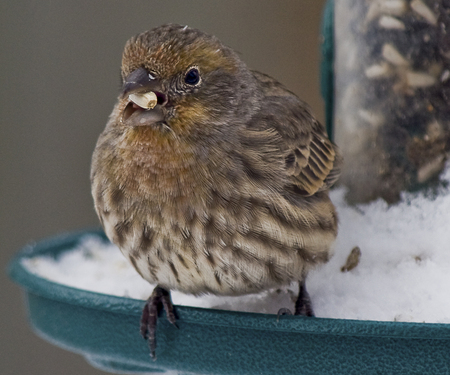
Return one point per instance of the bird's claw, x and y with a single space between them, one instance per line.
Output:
283 311
303 305
159 298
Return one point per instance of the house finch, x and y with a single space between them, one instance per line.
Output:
209 177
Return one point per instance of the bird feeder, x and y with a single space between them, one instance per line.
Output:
392 95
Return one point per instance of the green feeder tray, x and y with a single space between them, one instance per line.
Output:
105 330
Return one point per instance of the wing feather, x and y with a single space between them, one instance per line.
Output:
313 162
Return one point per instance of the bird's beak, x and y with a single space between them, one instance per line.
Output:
146 100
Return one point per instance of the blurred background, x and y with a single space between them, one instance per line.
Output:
59 80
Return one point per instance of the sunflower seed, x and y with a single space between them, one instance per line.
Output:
420 8
147 100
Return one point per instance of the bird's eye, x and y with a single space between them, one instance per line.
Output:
192 77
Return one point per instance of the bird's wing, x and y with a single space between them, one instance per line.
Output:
312 161
313 165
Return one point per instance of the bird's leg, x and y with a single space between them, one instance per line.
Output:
303 305
160 297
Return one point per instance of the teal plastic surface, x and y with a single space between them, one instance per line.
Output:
105 330
326 67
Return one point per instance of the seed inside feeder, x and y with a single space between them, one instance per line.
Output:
419 7
391 54
147 100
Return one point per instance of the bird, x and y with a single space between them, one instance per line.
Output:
212 178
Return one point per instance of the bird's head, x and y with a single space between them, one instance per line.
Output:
182 79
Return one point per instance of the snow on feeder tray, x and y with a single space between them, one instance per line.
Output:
104 329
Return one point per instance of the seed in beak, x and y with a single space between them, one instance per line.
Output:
147 100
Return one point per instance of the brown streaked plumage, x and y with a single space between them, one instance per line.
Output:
222 187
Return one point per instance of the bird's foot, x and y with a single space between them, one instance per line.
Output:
160 298
303 305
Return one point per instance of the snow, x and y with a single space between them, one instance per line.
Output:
403 273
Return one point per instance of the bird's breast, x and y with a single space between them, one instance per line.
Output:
158 165
185 228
